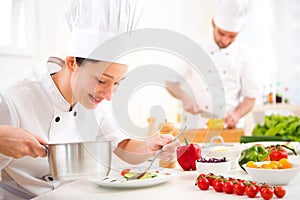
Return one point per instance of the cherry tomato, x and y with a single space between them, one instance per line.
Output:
239 188
266 193
199 177
218 185
228 187
203 183
251 191
279 191
125 171
211 177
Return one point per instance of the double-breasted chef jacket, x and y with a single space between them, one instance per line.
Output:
34 103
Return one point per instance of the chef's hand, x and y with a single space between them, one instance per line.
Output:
231 120
189 104
163 141
16 143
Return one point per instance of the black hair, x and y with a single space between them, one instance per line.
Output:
80 60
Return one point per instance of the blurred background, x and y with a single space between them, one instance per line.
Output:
32 30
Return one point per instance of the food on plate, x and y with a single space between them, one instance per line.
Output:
230 185
254 153
278 125
187 155
127 174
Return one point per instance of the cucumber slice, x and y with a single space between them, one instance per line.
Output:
146 176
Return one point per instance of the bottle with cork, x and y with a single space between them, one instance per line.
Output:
167 128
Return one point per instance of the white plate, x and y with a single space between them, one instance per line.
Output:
162 176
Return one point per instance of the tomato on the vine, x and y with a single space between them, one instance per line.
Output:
279 191
251 191
211 177
228 187
239 188
125 171
203 183
218 185
266 193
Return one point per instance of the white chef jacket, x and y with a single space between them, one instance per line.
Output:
34 103
238 73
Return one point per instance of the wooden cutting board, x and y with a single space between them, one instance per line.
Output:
204 135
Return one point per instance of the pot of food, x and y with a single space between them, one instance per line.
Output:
82 160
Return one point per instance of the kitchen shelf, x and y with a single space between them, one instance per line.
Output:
204 135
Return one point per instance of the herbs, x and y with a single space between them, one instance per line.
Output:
278 125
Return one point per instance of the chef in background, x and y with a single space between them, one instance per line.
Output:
56 101
234 62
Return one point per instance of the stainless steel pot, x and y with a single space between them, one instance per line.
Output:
75 161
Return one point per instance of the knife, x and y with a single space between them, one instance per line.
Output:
206 114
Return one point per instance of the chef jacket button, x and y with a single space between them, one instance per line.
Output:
206 107
75 113
57 119
212 53
227 53
48 178
224 72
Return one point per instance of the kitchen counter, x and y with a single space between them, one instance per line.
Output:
179 187
204 135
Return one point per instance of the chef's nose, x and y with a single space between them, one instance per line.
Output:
108 92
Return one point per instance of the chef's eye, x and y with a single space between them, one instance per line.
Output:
101 82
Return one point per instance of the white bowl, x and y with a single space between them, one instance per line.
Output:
230 152
272 176
219 168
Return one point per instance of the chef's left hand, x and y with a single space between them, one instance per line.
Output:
231 120
163 141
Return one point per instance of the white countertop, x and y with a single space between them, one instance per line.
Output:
179 187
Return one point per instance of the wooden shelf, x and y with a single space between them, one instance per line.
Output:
204 135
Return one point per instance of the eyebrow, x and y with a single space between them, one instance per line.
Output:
109 76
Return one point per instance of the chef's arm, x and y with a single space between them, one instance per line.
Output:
16 143
232 118
190 105
138 151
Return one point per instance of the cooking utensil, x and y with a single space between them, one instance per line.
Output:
141 174
206 114
83 160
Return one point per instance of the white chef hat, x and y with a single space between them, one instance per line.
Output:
231 14
93 22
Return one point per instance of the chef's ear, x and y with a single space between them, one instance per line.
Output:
70 63
213 23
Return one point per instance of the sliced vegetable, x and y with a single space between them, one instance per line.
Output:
146 176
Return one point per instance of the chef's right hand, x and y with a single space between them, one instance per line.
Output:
189 104
17 143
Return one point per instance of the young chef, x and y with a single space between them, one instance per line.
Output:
49 101
234 63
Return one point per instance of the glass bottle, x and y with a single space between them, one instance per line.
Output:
270 95
286 96
264 96
278 98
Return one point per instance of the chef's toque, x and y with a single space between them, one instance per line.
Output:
231 14
93 22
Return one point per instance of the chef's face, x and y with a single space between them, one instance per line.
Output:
223 38
94 81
